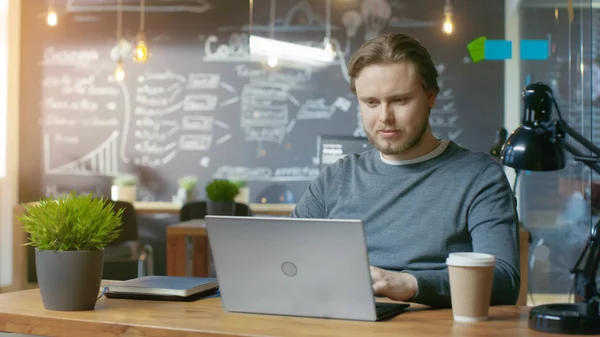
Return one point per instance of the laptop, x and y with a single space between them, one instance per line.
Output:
295 267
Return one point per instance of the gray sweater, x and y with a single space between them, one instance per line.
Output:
415 215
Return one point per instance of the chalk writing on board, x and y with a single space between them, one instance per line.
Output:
193 142
375 15
162 97
235 50
301 17
203 81
305 173
198 123
62 139
318 109
126 118
360 130
194 6
81 105
82 86
404 22
444 117
200 102
264 111
100 161
70 58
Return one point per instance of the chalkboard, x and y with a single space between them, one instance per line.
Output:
202 106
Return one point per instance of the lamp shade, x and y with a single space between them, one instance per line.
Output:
531 148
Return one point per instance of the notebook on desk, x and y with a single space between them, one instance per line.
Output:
171 288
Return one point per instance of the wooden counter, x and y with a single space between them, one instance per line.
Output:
23 312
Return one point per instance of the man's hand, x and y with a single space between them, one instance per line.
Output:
397 286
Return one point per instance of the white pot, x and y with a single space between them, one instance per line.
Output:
243 196
123 193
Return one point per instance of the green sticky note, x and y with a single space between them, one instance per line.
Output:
477 49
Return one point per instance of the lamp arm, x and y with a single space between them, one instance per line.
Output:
562 126
577 136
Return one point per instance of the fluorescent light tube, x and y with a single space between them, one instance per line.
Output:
286 50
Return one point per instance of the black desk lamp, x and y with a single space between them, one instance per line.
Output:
538 145
501 135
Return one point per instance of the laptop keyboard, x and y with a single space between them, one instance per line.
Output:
389 310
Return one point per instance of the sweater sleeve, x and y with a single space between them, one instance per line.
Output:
312 203
493 225
494 228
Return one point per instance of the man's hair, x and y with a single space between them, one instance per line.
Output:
390 48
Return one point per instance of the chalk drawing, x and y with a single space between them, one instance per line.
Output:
101 161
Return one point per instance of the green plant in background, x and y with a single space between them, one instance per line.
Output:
221 190
188 183
239 182
71 223
125 180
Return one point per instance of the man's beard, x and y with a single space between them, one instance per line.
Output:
401 147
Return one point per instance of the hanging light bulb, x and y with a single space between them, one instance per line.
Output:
51 16
272 61
448 26
141 49
119 70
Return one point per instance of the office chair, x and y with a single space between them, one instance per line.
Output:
276 194
197 210
126 247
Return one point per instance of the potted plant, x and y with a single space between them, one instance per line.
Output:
243 195
69 235
124 188
220 197
187 189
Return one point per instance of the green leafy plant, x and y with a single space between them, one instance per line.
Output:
221 190
239 182
72 222
125 180
188 183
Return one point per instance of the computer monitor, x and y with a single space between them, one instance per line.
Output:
331 147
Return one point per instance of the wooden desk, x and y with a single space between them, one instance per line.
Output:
156 207
23 312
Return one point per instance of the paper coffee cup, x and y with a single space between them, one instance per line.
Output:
471 281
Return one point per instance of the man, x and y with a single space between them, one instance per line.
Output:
420 198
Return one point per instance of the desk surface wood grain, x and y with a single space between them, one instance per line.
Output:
23 312
153 207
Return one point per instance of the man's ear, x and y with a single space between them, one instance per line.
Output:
431 99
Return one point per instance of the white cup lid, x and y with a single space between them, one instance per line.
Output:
468 259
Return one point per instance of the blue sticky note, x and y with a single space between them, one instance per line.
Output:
498 49
534 49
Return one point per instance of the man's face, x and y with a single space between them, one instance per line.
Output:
394 106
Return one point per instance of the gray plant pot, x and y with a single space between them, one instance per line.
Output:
69 280
220 207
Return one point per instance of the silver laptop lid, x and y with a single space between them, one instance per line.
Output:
290 266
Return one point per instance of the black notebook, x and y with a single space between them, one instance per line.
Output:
170 288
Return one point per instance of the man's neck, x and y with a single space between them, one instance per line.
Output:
427 144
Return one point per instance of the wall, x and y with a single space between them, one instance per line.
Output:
10 263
